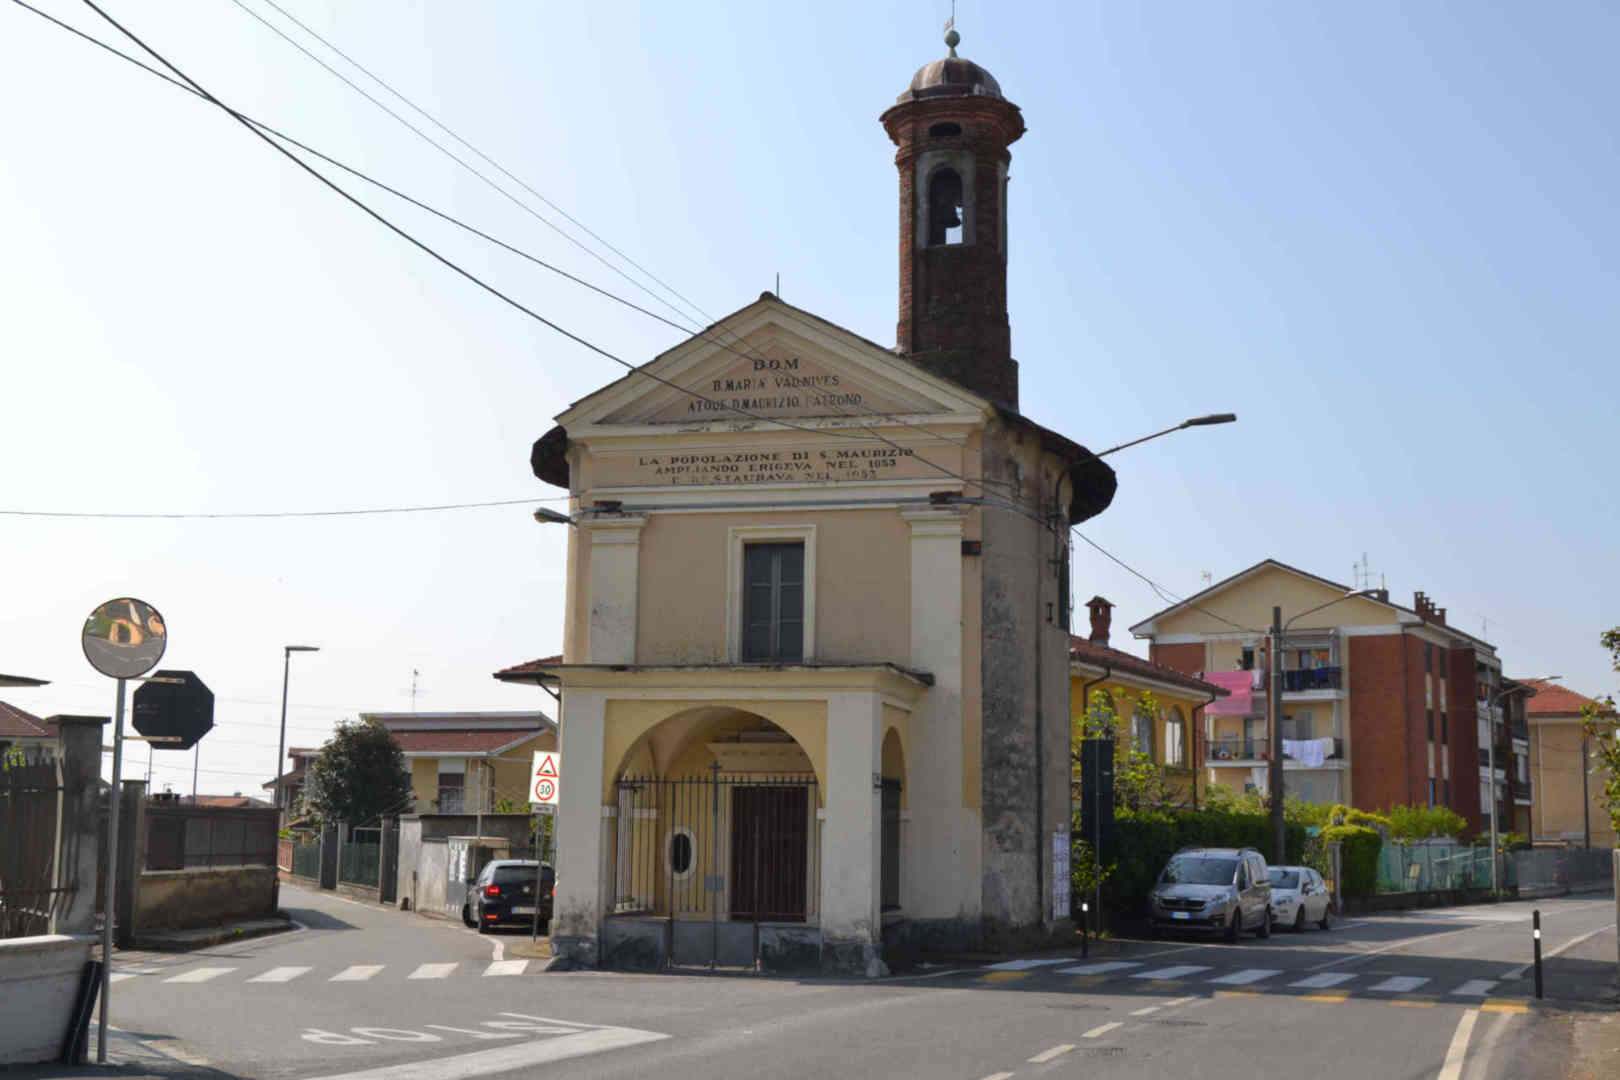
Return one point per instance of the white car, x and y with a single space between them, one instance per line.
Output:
1299 896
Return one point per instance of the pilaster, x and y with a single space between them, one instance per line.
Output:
615 558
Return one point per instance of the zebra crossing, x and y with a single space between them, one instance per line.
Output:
1338 984
292 973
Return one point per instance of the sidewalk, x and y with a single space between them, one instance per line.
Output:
202 938
130 1056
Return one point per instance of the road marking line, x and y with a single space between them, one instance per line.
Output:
1098 969
1246 976
1003 976
502 1059
1415 1001
1475 988
279 975
1485 1049
1238 994
433 971
1399 984
999 1076
1331 997
1172 1003
478 1034
1168 973
1362 958
197 975
1147 1011
357 973
1324 980
1025 965
1518 972
1506 1005
1086 982
1457 1052
1047 1055
506 967
1102 1029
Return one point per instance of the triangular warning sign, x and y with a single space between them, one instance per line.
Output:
547 767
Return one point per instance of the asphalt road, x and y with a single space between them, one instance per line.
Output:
1441 994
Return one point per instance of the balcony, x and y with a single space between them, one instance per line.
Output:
1237 749
1304 680
1524 792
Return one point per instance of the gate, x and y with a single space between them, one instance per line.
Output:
30 812
717 858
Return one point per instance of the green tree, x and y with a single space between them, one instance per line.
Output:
1603 736
359 776
1139 782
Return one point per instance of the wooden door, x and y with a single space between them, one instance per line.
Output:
769 851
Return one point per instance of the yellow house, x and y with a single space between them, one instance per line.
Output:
1568 802
1159 709
814 675
469 762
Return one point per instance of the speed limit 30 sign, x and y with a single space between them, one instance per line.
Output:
545 778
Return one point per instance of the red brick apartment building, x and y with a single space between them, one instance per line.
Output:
1381 703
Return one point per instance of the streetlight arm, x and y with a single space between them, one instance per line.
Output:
1197 421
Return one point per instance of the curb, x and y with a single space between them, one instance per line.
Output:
187 940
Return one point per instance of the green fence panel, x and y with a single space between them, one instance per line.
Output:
306 860
358 863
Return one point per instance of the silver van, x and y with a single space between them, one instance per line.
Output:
1212 891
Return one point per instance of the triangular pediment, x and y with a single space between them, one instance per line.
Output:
771 361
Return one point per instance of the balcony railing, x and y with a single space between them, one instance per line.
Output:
1238 748
1303 679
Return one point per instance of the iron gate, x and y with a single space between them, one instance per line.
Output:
30 805
716 857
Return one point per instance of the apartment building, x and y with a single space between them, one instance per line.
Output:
1568 806
1381 703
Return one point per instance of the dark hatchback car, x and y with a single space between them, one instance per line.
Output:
507 891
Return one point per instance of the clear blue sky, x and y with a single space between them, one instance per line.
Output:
1384 235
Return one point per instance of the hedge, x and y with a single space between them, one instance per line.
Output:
1358 857
1144 840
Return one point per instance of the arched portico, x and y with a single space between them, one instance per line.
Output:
735 822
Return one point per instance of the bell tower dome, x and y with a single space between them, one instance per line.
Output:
953 127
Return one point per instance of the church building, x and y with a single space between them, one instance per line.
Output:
815 673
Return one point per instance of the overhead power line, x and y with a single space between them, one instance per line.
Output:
518 305
281 513
1164 594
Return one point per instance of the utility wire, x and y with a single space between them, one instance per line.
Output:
280 513
698 328
498 294
374 77
1164 594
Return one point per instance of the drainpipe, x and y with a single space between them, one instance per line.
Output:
1197 725
1040 754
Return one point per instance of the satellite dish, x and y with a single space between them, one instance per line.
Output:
124 638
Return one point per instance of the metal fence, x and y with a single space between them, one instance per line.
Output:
1430 867
30 804
1562 868
183 837
306 859
718 847
359 858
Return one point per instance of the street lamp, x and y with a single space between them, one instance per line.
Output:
1490 757
1274 714
545 515
281 743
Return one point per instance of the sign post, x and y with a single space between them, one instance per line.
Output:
123 639
545 784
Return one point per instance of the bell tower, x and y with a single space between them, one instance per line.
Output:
953 127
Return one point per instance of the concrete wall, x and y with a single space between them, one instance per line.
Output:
419 878
39 982
203 896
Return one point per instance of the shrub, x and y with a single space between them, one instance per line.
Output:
1411 823
1144 840
1359 846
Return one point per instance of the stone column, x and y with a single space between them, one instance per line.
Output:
851 926
77 858
583 836
131 859
615 558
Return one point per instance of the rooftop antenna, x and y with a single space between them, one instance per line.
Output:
1206 577
779 284
414 674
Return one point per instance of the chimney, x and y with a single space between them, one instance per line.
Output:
1101 616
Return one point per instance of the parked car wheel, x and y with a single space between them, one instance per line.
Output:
466 918
483 924
1235 930
1327 917
1265 924
1299 920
